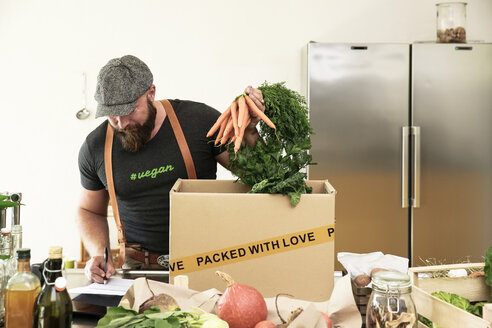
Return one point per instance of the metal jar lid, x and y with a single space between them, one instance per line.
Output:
388 281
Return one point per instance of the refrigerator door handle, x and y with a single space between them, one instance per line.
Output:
415 198
405 163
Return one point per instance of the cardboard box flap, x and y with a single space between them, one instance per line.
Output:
225 186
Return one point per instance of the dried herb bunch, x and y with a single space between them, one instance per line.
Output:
383 318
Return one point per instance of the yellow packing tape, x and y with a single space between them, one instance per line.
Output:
253 250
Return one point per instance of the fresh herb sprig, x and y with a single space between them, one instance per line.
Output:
275 165
4 203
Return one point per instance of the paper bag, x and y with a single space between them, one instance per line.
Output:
340 307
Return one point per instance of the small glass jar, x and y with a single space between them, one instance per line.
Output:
451 22
391 303
5 274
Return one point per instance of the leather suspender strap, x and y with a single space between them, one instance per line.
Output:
108 166
183 145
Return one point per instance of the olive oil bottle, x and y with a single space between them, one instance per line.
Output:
22 290
53 307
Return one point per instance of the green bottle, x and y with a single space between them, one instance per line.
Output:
53 307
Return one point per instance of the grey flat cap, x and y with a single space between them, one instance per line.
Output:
119 85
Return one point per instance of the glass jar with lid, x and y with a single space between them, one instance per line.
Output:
7 269
391 303
451 22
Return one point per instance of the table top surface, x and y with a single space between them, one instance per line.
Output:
76 278
87 315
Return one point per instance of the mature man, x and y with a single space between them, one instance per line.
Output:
156 143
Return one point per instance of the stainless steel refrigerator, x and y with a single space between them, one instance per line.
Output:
404 134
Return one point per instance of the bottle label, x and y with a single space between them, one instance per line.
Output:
60 284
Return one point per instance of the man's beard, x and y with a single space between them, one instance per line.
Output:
133 137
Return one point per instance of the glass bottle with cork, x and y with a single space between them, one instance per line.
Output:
15 244
53 307
22 290
16 236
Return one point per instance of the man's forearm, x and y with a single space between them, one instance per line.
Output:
94 231
251 136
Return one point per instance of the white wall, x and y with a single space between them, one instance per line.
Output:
201 50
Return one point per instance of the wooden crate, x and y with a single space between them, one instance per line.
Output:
443 313
361 297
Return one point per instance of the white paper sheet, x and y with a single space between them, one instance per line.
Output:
357 264
114 286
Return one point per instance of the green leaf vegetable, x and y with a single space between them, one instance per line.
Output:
488 270
153 318
428 323
460 302
4 203
457 301
275 164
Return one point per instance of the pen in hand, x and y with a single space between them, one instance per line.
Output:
105 264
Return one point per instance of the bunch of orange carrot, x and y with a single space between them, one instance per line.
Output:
234 120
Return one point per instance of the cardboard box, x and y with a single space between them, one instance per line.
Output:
258 239
440 312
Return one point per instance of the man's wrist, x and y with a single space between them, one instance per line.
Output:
251 136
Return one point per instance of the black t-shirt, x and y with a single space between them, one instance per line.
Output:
143 179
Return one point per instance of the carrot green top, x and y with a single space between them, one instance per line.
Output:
274 165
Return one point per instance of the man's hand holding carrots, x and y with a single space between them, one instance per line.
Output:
250 134
237 124
257 98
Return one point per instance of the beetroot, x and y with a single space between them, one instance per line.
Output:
241 306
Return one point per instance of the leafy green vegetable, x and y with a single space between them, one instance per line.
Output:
125 318
427 322
6 203
457 301
119 317
488 270
460 302
275 164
